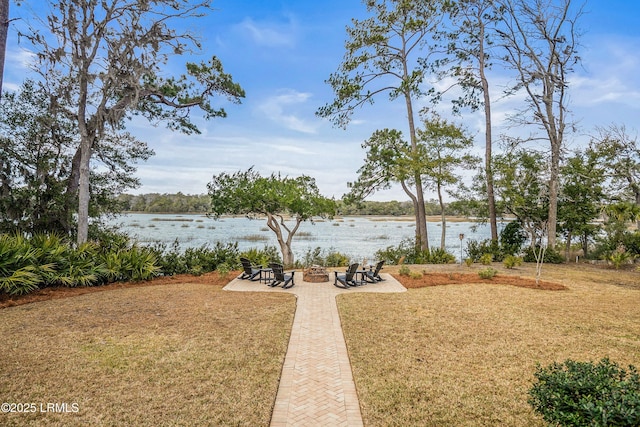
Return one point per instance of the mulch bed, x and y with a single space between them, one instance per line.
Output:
62 292
439 279
428 279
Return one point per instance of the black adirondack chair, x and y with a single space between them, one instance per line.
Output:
280 277
373 276
252 272
345 281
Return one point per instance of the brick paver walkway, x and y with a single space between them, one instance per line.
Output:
316 385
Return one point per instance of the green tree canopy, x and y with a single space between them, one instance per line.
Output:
104 61
275 197
388 53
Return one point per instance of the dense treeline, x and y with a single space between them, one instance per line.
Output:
199 203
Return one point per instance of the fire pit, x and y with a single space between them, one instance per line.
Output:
315 274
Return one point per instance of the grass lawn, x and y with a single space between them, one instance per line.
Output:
184 352
465 354
174 354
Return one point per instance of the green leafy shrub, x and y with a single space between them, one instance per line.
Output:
487 273
262 256
415 274
223 269
551 256
336 259
407 252
486 259
468 262
200 260
404 270
587 394
620 256
392 255
512 238
511 261
475 250
138 264
440 256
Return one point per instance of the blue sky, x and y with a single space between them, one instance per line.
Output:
282 51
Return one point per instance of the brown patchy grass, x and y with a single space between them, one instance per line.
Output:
179 351
465 355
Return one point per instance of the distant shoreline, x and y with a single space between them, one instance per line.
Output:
430 218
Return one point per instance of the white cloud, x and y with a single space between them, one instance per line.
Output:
269 34
20 58
276 107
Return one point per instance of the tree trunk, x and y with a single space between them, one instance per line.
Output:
285 244
638 204
4 29
488 138
83 192
422 238
567 249
553 195
443 218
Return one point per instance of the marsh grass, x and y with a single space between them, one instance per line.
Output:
305 235
465 355
183 354
254 238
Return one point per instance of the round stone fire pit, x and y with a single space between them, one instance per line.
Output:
315 274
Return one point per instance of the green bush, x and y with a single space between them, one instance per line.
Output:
475 250
440 256
551 256
336 259
262 256
486 259
511 261
487 273
415 274
404 271
468 262
512 238
587 394
200 260
409 253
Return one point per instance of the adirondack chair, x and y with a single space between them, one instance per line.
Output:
279 276
373 276
252 272
345 281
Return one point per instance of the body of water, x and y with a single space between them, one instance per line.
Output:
357 237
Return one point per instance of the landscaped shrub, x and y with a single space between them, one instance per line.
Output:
18 267
392 255
262 256
408 252
336 259
512 238
475 250
620 256
198 260
468 262
404 270
317 257
487 273
551 256
587 394
486 259
440 256
511 261
415 274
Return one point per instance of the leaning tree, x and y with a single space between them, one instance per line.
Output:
275 197
107 60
